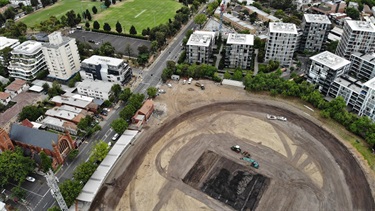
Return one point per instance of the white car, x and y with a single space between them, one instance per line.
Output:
30 179
161 91
169 85
115 137
281 118
272 117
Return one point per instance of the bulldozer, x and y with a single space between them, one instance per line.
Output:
236 148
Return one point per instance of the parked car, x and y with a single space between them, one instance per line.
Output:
115 137
30 179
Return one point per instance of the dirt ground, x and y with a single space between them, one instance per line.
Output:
307 166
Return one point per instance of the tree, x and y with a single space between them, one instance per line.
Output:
99 152
55 89
127 112
46 161
125 94
94 10
118 27
45 2
331 47
113 1
227 75
116 89
353 13
107 49
132 30
45 87
119 125
128 49
14 166
88 15
136 100
200 19
9 13
152 91
84 171
106 27
107 3
87 24
34 3
31 113
143 49
18 192
70 189
73 154
96 25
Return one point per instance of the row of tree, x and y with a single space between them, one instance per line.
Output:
188 70
335 109
71 188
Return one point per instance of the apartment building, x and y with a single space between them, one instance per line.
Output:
62 57
358 36
239 51
106 69
26 61
96 89
281 43
363 66
360 98
7 42
315 32
199 47
325 68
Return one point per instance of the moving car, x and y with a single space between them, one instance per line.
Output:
30 179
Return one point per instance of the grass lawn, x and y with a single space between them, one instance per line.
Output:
59 9
140 13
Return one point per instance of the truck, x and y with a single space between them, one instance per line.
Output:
253 162
200 85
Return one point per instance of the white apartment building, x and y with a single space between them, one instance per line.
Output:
239 51
96 89
7 42
106 69
315 32
358 36
62 57
24 2
363 66
281 43
359 97
325 68
26 60
199 47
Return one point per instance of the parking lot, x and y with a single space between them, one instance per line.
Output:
95 40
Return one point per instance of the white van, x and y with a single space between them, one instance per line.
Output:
190 80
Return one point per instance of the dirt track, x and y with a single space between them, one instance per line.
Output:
338 184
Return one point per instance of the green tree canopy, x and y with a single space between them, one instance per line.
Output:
127 112
132 30
152 91
99 151
107 49
94 10
116 89
84 171
31 113
46 161
14 166
118 27
119 125
106 27
70 189
96 25
353 13
125 94
200 19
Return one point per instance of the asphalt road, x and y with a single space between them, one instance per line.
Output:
38 193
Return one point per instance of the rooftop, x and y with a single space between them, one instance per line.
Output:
31 136
370 83
315 18
28 47
279 27
4 95
100 86
367 57
200 39
6 42
349 82
245 39
330 60
262 13
146 107
238 21
361 25
103 60
80 103
16 85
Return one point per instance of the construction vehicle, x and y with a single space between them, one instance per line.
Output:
253 162
236 148
199 85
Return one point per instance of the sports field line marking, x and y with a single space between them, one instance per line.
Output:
139 13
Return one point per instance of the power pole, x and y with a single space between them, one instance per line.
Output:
55 191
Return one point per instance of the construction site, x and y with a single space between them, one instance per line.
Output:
219 149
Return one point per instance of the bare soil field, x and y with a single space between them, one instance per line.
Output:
301 165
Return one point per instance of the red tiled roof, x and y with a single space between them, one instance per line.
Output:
147 106
16 85
4 95
27 123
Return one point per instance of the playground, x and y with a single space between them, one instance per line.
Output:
183 157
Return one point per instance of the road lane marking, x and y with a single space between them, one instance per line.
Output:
139 13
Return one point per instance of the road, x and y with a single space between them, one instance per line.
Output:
38 193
